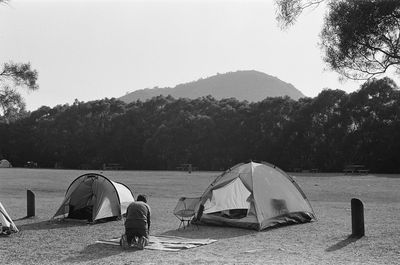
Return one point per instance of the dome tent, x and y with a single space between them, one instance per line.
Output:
93 197
5 163
7 224
255 196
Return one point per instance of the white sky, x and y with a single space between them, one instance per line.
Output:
89 50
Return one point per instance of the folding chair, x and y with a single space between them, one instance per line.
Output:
185 210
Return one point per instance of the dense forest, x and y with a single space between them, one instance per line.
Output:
326 132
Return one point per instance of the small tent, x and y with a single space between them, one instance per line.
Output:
255 196
5 163
93 197
7 224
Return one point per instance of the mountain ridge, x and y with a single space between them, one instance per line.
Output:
247 85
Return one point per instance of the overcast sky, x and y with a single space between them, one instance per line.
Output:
90 50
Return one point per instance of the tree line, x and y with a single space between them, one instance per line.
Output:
325 132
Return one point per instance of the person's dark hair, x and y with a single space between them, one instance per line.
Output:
142 198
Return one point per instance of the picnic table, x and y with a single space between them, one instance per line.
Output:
112 166
355 169
186 167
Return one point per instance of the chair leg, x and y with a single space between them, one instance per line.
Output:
185 224
197 226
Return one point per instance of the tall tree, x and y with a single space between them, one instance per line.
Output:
374 128
360 39
14 75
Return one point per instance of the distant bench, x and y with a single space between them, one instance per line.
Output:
112 166
355 169
300 170
363 171
186 167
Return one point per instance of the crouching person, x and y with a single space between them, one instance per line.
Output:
137 224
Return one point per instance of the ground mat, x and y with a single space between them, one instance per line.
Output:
166 243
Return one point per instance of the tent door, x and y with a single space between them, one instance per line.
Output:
82 213
231 201
85 213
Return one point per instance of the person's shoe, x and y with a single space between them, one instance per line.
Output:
123 242
145 241
142 242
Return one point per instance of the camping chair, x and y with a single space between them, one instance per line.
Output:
185 210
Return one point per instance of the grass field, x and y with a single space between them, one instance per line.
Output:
326 241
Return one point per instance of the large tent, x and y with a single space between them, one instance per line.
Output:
5 163
93 197
7 224
255 196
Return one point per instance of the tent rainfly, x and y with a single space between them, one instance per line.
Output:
254 196
93 197
7 224
5 163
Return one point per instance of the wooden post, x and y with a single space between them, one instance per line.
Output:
357 218
30 203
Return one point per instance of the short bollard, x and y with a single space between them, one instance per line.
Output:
30 203
357 218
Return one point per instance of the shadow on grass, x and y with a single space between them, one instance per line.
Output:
5 235
50 224
212 232
97 251
341 244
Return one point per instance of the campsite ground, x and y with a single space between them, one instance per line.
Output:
326 241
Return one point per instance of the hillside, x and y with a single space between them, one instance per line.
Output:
243 85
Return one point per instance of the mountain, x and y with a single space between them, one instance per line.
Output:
244 85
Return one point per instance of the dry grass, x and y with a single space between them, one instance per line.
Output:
323 242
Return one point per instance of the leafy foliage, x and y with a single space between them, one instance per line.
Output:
289 10
359 39
13 76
